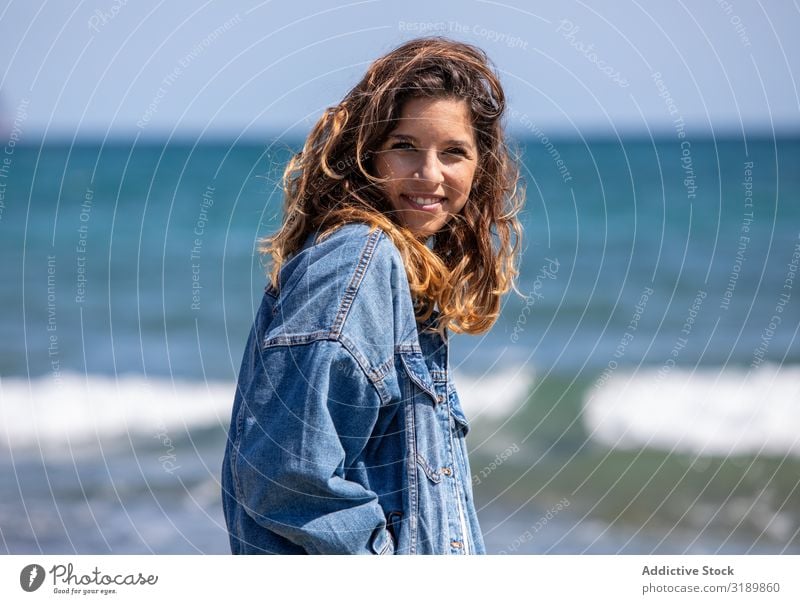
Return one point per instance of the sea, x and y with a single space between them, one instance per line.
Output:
640 392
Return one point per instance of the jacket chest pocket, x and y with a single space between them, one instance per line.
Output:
424 406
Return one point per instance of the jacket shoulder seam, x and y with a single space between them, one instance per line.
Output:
355 281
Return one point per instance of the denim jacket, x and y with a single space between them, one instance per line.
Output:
347 435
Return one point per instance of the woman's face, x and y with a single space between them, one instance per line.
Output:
430 160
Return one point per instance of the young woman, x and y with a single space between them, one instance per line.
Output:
347 435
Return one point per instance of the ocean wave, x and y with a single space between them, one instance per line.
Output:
493 394
705 411
80 409
83 409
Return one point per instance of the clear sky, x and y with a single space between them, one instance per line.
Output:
235 68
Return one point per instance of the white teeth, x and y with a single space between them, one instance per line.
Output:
425 201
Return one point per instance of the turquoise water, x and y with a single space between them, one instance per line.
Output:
130 276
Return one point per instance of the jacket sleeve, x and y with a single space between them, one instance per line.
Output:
306 416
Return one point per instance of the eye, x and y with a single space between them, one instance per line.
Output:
456 151
402 145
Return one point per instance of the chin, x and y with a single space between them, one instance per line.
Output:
422 231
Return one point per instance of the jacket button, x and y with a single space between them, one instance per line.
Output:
440 398
446 471
456 544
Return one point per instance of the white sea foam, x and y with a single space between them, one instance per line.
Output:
722 411
82 409
493 395
85 409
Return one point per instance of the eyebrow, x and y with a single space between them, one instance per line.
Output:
450 141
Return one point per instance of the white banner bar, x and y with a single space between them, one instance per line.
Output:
332 579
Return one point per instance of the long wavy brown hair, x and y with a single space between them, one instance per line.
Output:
473 259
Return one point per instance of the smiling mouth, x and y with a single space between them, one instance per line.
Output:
423 202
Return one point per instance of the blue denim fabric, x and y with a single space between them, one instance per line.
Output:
347 435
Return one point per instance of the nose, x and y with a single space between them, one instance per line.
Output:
429 167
